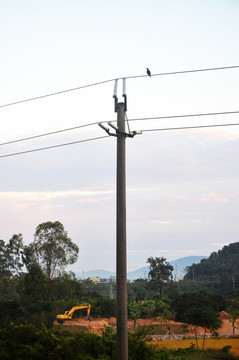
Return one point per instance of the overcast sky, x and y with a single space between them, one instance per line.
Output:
182 185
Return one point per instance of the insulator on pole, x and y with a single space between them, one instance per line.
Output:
124 86
115 89
124 94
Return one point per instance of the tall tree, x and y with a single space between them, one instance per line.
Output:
14 251
3 260
52 249
11 256
197 309
204 317
233 312
160 274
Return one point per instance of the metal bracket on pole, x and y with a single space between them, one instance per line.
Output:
107 130
130 134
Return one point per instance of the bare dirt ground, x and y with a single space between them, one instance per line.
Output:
98 325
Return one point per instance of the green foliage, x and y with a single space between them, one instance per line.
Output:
160 274
138 290
226 348
148 308
205 317
51 249
27 342
198 309
233 311
134 312
33 286
10 311
11 256
201 299
102 306
219 271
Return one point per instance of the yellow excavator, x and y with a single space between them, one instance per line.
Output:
68 314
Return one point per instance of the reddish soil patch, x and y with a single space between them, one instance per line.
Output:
98 325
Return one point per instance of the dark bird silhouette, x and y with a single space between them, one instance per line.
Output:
148 72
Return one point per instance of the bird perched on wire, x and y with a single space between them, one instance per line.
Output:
148 72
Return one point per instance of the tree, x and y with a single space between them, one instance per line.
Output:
197 309
11 256
220 270
134 312
3 260
52 249
160 274
14 250
167 316
204 317
33 287
233 313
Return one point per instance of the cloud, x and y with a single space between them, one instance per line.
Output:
160 221
40 195
220 244
213 197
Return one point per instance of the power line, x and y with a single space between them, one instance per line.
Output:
186 115
55 93
107 136
136 119
53 146
186 71
47 134
190 127
110 80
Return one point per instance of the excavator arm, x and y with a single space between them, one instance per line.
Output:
69 314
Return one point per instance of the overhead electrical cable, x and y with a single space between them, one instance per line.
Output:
190 127
107 136
110 80
186 115
128 120
54 146
47 134
185 71
55 93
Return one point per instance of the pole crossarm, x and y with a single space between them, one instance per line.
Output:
117 131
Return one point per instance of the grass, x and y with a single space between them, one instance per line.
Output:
73 329
215 344
163 329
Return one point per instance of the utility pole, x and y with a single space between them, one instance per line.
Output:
121 249
121 258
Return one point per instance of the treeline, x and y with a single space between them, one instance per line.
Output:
218 273
21 342
26 342
34 288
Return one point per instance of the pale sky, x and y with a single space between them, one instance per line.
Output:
182 185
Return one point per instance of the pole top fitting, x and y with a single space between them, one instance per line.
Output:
124 94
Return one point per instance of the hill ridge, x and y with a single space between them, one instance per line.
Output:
178 264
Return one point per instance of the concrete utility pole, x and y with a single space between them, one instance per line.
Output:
121 249
121 258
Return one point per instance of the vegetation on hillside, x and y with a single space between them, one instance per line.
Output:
34 288
218 273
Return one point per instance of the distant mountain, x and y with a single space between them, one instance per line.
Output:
179 267
180 264
103 274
